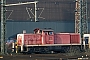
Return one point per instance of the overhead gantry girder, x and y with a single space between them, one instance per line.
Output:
3 21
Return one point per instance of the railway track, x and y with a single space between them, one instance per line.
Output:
38 57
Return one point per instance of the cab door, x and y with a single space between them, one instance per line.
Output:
49 38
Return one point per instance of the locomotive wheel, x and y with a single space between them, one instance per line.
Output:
73 50
44 50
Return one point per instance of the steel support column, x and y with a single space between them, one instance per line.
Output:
81 21
3 26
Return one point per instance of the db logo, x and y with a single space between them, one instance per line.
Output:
19 40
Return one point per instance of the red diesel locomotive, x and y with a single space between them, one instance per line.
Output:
46 41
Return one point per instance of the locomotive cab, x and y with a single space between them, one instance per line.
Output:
43 31
47 32
47 35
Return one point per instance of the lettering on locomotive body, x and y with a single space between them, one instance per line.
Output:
38 37
34 37
50 38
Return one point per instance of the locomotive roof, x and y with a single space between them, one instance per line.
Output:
46 29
